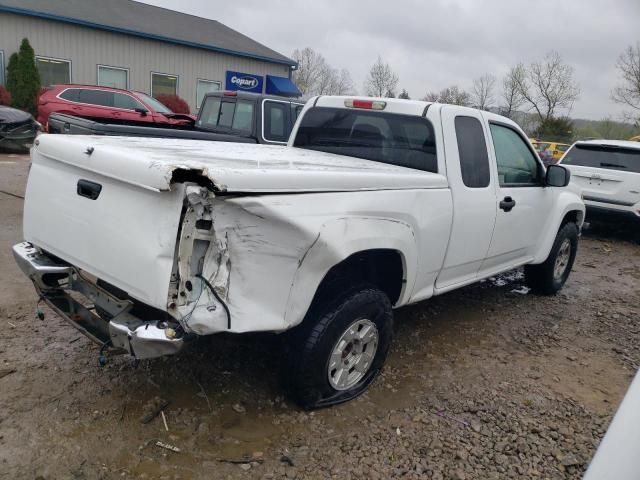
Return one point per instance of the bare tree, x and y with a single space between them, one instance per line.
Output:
314 76
380 80
483 88
452 95
628 92
310 66
343 84
511 95
549 86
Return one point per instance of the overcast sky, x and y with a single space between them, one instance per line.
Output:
437 43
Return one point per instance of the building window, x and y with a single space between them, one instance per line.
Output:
114 77
163 84
203 87
1 67
53 71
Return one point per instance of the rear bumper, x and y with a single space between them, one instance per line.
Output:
607 212
62 286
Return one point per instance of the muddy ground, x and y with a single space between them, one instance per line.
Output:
486 382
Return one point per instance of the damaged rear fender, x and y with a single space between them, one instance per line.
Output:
337 241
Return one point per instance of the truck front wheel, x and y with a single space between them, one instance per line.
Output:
549 277
340 348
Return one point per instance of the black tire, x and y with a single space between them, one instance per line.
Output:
306 372
542 278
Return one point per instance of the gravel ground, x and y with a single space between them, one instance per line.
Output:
482 383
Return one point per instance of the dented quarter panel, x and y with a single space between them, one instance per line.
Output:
270 253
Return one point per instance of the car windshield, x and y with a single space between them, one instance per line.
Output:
153 103
403 140
604 156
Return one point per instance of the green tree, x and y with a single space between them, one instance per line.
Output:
12 67
404 94
23 79
556 128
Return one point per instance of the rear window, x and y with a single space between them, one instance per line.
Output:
607 157
216 114
404 140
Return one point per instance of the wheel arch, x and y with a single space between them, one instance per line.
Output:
365 250
569 209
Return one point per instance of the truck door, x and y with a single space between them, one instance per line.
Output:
472 184
523 202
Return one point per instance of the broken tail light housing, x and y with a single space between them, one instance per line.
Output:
365 104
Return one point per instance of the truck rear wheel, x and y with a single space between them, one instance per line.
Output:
340 348
549 277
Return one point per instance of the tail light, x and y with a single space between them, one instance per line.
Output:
365 104
230 94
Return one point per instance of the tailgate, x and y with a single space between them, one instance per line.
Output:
126 236
607 186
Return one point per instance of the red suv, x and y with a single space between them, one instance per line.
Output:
112 104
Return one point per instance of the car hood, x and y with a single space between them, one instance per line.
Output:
157 163
13 115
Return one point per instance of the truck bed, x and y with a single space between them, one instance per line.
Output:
72 125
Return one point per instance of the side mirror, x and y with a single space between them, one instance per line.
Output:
142 111
557 176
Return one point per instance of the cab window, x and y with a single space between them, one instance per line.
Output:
517 165
243 117
276 125
216 113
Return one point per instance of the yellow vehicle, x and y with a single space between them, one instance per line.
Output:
556 149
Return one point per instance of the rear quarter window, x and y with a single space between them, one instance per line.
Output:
472 149
70 94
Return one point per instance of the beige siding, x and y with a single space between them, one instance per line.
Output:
87 48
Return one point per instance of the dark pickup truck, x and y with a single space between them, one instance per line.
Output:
223 116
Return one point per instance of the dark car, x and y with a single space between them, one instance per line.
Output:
18 129
111 104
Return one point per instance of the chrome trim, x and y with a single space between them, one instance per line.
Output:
124 332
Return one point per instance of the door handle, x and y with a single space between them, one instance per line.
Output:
507 204
87 189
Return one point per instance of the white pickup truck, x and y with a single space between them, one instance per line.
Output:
145 244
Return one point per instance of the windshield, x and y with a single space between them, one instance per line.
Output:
153 103
607 157
403 140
